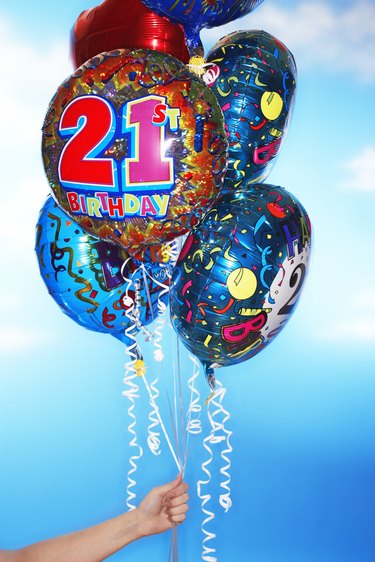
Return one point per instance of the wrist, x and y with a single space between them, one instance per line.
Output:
140 529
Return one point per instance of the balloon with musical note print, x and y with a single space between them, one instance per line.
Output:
254 80
134 148
194 15
240 274
94 282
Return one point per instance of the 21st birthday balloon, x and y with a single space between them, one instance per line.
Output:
134 148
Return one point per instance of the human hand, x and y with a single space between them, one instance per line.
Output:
164 507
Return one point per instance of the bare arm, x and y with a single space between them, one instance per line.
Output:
161 509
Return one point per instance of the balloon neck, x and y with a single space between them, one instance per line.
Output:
209 373
193 42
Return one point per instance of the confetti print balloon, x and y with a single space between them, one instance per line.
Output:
194 15
134 148
87 277
240 274
254 79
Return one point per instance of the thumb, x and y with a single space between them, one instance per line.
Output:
165 488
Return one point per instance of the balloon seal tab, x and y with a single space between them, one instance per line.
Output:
140 368
197 65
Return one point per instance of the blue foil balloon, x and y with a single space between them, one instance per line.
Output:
240 274
95 282
253 76
194 15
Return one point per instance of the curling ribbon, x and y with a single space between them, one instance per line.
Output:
133 368
218 434
224 499
207 551
194 423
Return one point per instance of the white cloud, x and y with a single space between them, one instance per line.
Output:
360 171
30 76
9 302
367 301
357 330
16 339
354 322
334 39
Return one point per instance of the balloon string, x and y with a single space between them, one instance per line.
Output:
225 498
181 409
131 394
157 412
160 320
193 416
153 437
208 552
173 549
194 424
176 426
158 332
143 269
218 428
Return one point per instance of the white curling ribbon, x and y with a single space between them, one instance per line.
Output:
218 434
194 423
153 437
157 335
157 413
220 426
132 393
158 332
208 552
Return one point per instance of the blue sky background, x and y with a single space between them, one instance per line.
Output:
302 411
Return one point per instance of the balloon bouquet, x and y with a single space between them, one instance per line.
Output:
141 148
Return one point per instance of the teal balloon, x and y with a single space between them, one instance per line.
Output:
94 282
240 274
253 76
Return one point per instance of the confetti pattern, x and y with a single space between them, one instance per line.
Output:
194 15
255 83
240 274
86 276
134 148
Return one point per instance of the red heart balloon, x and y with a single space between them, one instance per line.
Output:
117 24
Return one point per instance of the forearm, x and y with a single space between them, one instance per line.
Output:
90 545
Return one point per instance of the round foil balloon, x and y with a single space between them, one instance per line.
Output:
197 14
134 147
254 79
118 24
240 274
94 282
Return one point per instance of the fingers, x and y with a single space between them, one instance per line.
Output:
177 519
176 511
162 490
177 507
181 499
177 491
